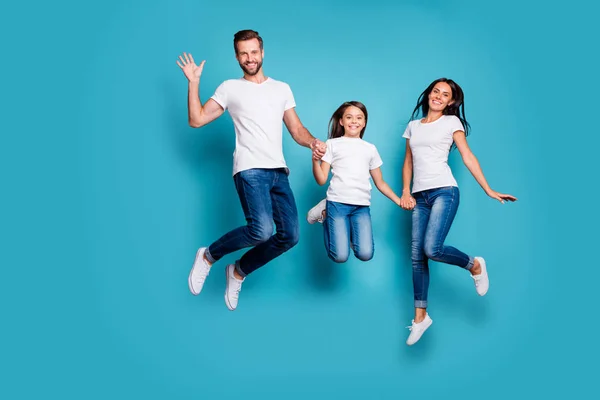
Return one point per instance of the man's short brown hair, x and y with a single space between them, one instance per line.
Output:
246 34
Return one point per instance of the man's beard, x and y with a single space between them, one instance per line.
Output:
248 72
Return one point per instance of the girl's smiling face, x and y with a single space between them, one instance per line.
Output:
353 121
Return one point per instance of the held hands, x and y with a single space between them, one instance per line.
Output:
500 196
318 149
190 69
407 202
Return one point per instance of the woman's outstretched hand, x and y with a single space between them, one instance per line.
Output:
501 197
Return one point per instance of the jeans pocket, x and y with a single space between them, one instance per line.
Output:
252 176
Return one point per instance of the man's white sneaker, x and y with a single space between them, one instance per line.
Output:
232 289
482 282
199 272
315 214
417 330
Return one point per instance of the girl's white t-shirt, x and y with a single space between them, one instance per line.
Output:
351 161
430 144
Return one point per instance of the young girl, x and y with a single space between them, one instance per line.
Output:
435 195
353 161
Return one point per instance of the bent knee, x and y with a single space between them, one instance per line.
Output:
289 237
338 257
432 253
364 255
293 237
260 232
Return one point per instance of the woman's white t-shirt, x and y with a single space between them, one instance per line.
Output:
430 144
352 160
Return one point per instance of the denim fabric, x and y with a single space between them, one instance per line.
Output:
267 199
347 224
432 218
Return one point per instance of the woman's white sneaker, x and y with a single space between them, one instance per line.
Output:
482 281
417 330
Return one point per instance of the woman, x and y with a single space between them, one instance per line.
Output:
435 196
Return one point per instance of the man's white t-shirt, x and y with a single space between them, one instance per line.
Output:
257 114
351 161
430 144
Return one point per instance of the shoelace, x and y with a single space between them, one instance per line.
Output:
237 290
201 276
476 278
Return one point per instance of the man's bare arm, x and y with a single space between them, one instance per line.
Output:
198 115
301 135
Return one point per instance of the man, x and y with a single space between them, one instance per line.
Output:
257 104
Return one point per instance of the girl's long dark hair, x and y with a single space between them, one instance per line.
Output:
457 108
335 129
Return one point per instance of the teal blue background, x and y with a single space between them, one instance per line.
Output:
107 193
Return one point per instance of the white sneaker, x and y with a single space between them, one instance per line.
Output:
315 214
417 330
232 290
482 282
199 272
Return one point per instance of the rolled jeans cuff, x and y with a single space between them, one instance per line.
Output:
420 303
471 263
239 269
209 257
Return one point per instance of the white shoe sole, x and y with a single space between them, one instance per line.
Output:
192 271
484 273
227 303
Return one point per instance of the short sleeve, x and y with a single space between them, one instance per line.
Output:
220 95
328 157
456 125
290 102
376 161
407 132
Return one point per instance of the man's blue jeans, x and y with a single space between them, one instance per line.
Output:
266 199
